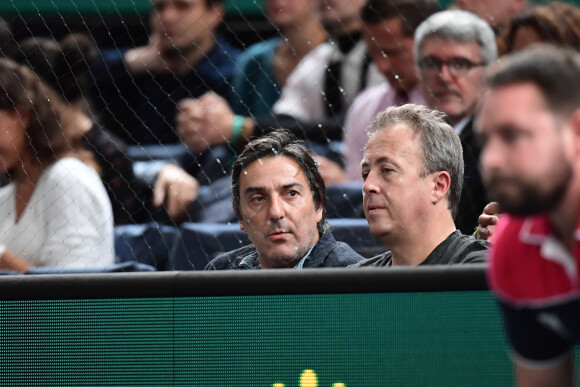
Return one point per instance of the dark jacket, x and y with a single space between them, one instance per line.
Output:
326 253
473 195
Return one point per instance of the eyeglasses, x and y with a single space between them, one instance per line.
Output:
457 66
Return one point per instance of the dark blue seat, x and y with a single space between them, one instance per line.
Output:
344 201
356 233
148 243
201 242
123 267
170 152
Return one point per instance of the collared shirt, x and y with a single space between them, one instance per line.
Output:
301 97
364 108
461 125
537 282
300 264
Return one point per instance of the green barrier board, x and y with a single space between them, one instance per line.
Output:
366 339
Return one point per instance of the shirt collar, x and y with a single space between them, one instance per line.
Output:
461 125
250 261
300 264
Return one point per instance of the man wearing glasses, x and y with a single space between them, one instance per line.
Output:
452 49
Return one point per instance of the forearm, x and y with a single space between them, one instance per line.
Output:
9 261
558 374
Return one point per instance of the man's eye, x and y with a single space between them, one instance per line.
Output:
292 193
511 137
364 176
257 199
460 64
387 170
182 5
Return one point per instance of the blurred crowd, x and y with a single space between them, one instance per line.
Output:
83 126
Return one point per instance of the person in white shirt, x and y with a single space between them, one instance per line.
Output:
55 211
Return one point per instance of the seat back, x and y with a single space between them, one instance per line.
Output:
148 243
201 242
356 233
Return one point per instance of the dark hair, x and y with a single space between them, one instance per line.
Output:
7 44
555 71
23 91
63 65
275 144
557 23
411 12
211 3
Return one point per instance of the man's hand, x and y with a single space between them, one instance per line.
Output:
176 189
487 222
146 58
205 122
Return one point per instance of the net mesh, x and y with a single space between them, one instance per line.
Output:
130 80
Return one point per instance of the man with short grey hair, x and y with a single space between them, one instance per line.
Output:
413 173
452 49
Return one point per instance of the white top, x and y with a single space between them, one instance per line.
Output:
302 96
68 221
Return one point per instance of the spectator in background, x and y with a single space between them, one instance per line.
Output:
557 23
63 66
452 50
137 90
55 211
497 13
388 31
529 123
314 99
278 197
263 68
413 174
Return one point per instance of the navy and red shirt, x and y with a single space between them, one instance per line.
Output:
537 283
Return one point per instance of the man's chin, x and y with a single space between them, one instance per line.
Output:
525 205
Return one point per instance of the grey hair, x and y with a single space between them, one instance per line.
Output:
462 26
439 143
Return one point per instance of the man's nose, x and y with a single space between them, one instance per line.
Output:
168 15
445 74
384 66
492 156
276 208
370 185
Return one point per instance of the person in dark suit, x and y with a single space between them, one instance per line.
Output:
452 50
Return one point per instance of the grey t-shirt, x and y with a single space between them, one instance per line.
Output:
457 248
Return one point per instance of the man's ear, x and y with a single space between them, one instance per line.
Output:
319 211
441 185
242 227
218 12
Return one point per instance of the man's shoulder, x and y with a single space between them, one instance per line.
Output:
329 252
466 249
231 260
508 248
517 270
381 260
